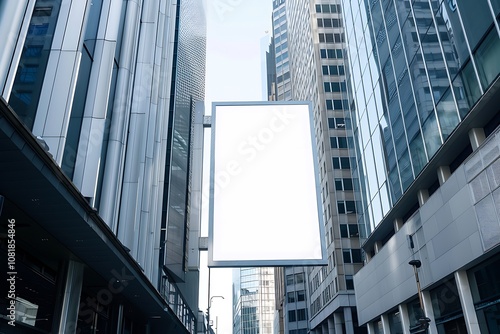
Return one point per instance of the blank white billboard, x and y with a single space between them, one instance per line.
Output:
265 203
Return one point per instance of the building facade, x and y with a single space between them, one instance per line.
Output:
424 79
97 126
319 299
253 301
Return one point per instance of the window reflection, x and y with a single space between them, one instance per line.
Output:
31 70
431 135
447 114
487 56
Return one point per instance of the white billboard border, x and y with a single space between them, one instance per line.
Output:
265 263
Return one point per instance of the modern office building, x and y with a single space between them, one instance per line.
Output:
320 299
424 77
253 301
96 142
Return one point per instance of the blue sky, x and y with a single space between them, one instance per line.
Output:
235 29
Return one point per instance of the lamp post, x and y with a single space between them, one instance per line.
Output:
208 311
423 321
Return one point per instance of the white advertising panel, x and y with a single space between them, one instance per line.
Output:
265 204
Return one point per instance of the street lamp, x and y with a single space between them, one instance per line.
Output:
208 311
423 321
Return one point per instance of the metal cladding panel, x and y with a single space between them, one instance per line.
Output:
265 204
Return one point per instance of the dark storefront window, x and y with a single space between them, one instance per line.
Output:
35 295
447 308
485 287
395 323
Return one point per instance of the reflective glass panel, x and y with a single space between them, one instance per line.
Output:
487 58
431 135
475 28
447 114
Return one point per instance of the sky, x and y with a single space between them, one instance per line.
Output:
235 29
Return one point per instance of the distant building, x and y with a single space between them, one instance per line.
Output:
253 301
96 126
310 44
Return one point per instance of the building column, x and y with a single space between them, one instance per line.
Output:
324 328
405 319
331 325
476 137
429 311
119 318
93 127
467 303
377 246
423 196
443 173
115 157
349 324
398 223
385 324
69 290
337 319
369 327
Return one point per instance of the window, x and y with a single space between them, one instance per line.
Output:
301 295
352 255
349 230
325 8
318 8
329 105
337 104
346 207
290 297
289 279
325 69
320 23
301 314
341 70
343 184
330 38
28 73
323 53
349 282
299 278
291 316
338 142
331 123
341 163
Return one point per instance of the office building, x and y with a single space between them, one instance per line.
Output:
253 301
424 79
97 119
310 43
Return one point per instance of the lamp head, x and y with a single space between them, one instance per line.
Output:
415 263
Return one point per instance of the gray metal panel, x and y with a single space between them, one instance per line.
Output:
455 233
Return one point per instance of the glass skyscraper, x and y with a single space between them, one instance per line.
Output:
423 76
253 301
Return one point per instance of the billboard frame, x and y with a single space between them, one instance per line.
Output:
319 261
